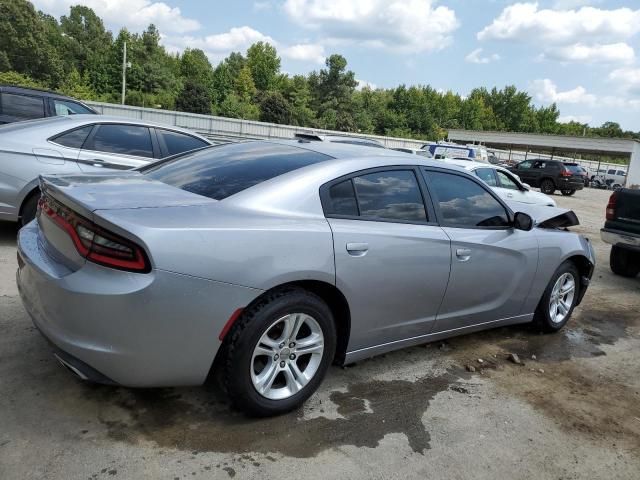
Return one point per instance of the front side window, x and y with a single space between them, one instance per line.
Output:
506 181
487 175
123 139
65 107
611 172
465 204
21 106
176 142
390 195
74 138
221 171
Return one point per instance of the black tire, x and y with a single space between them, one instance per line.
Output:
567 193
624 262
547 186
542 318
29 208
245 335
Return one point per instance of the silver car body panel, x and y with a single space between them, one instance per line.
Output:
27 152
404 283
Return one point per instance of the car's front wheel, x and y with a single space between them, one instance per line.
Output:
559 298
547 187
567 192
279 352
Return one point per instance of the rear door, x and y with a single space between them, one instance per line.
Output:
392 260
118 146
492 264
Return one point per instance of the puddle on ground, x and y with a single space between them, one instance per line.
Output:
199 420
193 419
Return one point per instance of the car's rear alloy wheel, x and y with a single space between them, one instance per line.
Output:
279 352
567 192
287 356
547 187
559 299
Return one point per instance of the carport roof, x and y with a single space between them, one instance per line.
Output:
555 143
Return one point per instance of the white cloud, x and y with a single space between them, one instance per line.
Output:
627 79
579 52
570 4
575 118
134 14
526 22
476 57
218 45
546 91
365 84
407 26
306 52
262 6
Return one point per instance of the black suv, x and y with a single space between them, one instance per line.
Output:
551 175
17 103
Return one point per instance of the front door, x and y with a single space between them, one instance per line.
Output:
493 264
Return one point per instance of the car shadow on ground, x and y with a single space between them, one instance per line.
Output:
8 233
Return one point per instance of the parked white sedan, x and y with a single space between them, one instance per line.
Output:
507 185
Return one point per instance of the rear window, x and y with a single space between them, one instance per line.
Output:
21 106
573 168
222 171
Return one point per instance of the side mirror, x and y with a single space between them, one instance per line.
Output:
526 186
522 221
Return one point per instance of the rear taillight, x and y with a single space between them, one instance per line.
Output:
93 242
566 173
611 206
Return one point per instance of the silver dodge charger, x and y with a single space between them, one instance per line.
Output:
266 261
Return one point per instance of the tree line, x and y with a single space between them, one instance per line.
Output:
78 56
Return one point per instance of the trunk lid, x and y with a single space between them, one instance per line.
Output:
116 191
82 195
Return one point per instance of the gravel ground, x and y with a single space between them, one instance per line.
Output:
571 411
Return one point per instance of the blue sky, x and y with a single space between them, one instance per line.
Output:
582 54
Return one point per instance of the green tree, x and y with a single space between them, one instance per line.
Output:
264 64
275 108
19 80
77 86
195 66
25 44
194 98
332 89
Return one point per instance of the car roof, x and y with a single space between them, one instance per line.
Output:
317 137
51 126
37 91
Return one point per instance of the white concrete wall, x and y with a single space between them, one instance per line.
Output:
633 175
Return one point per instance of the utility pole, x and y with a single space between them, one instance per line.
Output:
124 71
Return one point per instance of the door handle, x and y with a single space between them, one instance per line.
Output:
357 249
509 195
463 254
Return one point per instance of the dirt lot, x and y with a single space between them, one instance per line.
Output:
572 412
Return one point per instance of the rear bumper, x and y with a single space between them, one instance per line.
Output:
620 239
567 184
139 330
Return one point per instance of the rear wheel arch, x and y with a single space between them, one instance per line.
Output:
329 293
26 201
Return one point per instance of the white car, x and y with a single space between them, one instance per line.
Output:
507 185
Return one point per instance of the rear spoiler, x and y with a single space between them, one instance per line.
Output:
310 137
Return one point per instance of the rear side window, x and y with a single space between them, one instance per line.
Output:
222 171
342 200
390 195
465 204
175 142
487 175
66 107
21 106
507 181
74 138
122 139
